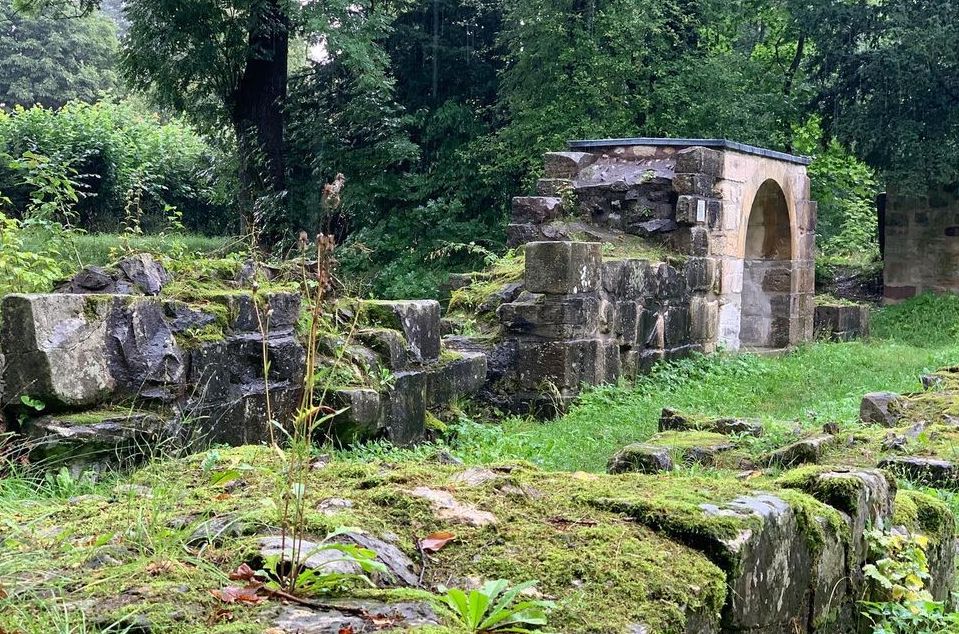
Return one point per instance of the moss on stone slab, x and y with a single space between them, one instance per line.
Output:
606 572
816 520
924 514
507 269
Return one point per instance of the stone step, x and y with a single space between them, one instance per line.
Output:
97 441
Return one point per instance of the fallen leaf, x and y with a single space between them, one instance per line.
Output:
346 629
434 542
156 568
234 594
243 573
3 593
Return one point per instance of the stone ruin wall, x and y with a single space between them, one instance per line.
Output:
122 374
920 244
633 253
739 230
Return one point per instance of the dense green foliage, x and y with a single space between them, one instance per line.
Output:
50 61
128 168
889 83
437 113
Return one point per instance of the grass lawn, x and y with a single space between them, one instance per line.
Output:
816 383
101 249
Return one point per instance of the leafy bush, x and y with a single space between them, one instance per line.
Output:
900 602
129 167
845 189
23 270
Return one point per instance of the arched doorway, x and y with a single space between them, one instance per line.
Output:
767 272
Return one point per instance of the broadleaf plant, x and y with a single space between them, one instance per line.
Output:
494 608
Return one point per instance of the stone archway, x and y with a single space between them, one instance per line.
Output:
767 271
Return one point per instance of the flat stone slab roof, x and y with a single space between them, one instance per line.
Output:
586 144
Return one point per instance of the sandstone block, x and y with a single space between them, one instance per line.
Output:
418 320
567 164
640 458
360 420
463 376
700 160
567 364
879 408
55 348
563 268
551 316
536 209
556 187
404 408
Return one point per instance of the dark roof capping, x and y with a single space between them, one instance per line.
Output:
714 143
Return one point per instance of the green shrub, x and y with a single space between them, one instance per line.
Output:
23 270
130 167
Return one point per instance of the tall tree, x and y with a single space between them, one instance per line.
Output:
888 73
48 61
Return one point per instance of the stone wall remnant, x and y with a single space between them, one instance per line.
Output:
919 239
741 215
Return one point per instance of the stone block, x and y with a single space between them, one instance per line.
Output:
763 548
640 458
388 344
932 472
145 273
95 441
692 210
627 279
563 268
671 420
700 160
865 498
404 408
807 450
879 408
670 282
778 279
567 164
701 274
360 419
283 309
554 186
676 326
142 351
55 349
552 316
841 323
628 323
462 376
691 240
536 209
567 364
653 327
700 185
703 319
418 320
241 418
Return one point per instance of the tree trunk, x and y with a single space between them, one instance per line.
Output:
259 102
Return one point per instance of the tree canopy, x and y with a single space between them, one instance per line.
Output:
49 61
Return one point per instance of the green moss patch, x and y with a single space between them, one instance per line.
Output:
605 571
924 514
